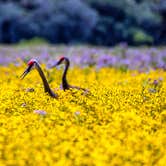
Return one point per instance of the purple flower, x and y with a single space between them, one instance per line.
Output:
155 82
132 58
106 60
40 112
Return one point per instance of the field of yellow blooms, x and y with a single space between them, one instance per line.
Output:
121 121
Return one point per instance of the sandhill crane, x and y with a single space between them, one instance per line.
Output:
65 84
34 63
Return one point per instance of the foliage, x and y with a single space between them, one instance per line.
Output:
97 22
140 36
33 41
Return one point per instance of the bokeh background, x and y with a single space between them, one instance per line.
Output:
96 22
117 51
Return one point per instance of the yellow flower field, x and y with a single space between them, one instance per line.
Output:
122 121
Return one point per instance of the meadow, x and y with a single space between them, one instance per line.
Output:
121 121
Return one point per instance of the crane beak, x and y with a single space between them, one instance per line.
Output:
26 72
55 65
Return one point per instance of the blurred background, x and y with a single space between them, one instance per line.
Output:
95 22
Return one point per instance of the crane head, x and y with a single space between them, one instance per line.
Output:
60 61
30 63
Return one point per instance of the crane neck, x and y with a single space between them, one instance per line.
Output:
45 82
64 79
